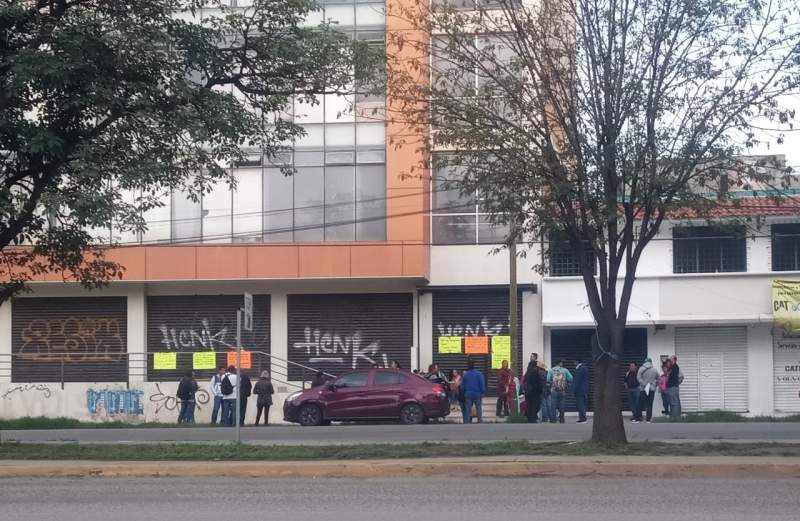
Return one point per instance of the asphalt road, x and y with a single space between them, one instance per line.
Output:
395 433
557 499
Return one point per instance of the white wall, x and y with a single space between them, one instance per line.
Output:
475 265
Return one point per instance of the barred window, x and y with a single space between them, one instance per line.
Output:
786 247
565 261
709 249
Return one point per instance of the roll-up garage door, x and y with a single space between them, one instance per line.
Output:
786 363
81 339
474 313
714 365
574 345
188 324
337 333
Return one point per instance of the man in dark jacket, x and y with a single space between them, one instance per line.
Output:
187 388
264 390
633 388
673 388
534 388
580 386
246 388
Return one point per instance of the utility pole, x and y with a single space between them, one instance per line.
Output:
512 297
238 387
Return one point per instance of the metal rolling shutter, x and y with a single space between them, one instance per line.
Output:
714 365
786 364
572 345
85 337
190 323
337 333
474 313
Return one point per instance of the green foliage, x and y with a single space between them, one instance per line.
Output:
105 106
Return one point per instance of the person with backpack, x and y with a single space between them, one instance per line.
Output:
547 403
264 390
559 379
534 388
632 388
246 389
674 381
216 380
648 381
474 386
187 389
580 388
229 388
662 387
504 383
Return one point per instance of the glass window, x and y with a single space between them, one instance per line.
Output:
340 134
158 221
278 206
309 204
217 206
314 136
247 198
497 62
388 378
340 209
358 379
370 134
709 249
370 14
309 110
127 235
186 218
371 202
454 229
564 261
489 233
447 197
343 15
449 71
339 108
786 247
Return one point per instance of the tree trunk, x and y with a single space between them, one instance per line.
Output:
608 427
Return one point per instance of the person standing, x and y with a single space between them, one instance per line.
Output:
187 389
547 402
229 387
580 388
673 388
474 386
633 390
534 388
662 386
504 383
216 380
246 389
559 379
648 382
264 390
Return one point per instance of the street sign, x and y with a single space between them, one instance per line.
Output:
248 312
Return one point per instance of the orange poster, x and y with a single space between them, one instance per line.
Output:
476 345
246 360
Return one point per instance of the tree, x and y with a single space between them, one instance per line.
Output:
106 104
596 120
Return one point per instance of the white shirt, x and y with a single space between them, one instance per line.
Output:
216 381
234 379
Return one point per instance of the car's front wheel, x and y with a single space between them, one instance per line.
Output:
310 415
412 414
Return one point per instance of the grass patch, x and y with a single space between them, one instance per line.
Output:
241 452
41 422
728 417
517 418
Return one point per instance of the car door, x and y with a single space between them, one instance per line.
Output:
345 398
385 394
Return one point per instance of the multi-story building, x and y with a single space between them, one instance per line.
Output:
352 263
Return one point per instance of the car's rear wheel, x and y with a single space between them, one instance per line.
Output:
412 414
310 415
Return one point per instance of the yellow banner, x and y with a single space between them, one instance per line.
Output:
450 345
165 361
501 351
786 304
204 360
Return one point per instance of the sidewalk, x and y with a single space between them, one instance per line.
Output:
504 466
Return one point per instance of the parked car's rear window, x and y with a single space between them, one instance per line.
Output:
388 378
353 380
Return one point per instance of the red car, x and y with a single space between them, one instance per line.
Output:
369 394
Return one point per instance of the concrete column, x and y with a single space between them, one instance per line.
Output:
761 380
532 338
5 342
279 337
426 346
137 334
416 327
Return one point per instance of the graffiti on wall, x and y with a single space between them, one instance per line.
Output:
73 339
482 328
166 402
115 402
201 338
39 389
334 348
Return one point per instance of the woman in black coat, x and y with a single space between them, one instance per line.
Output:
534 387
264 391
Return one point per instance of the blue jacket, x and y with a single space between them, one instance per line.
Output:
473 382
580 384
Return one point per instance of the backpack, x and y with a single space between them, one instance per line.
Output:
559 382
226 387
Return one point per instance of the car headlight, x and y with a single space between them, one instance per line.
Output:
293 396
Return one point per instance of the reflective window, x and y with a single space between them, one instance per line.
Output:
247 207
217 208
388 378
340 188
186 218
358 379
309 204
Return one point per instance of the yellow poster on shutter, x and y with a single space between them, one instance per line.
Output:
450 345
501 350
786 305
204 360
165 361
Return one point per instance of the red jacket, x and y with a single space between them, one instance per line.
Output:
504 379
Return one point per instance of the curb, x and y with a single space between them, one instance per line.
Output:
629 467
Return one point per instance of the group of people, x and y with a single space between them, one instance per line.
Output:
641 384
224 387
546 391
